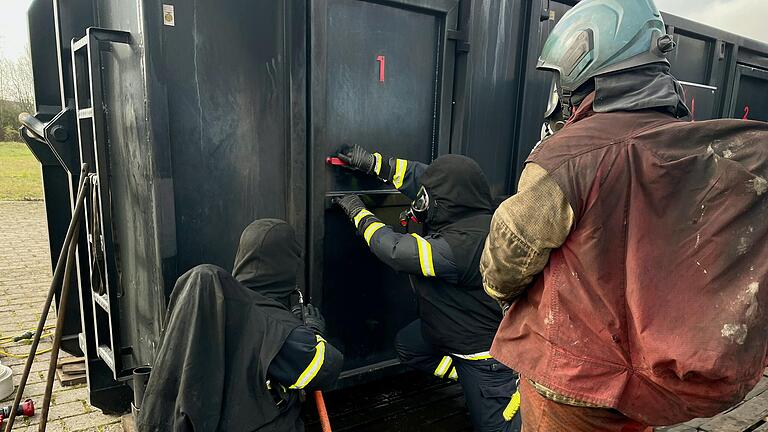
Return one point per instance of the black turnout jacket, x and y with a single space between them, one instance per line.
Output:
457 316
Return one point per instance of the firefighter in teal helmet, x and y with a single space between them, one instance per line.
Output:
601 37
598 37
616 257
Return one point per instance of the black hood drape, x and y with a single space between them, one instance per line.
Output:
268 258
221 334
457 189
650 86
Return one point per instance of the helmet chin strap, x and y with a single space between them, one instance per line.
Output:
566 104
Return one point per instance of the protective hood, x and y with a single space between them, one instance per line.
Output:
644 87
457 188
268 258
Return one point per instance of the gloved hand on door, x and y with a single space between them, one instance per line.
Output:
351 204
360 159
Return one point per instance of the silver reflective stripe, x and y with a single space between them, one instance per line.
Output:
477 356
442 368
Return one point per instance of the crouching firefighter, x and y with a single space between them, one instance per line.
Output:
452 198
234 356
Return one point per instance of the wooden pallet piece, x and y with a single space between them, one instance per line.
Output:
67 379
678 428
693 425
74 368
744 417
69 360
761 387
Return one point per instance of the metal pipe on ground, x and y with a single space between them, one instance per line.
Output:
61 313
59 269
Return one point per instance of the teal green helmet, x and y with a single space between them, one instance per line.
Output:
602 36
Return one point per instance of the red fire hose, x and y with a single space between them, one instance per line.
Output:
322 412
325 423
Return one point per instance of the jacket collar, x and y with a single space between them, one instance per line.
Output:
584 110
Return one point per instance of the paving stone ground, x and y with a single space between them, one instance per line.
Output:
25 275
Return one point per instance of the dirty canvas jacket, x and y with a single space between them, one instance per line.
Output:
655 304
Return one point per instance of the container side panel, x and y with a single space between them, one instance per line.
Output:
534 85
700 100
130 176
750 57
691 60
227 82
494 79
365 303
751 94
42 45
73 17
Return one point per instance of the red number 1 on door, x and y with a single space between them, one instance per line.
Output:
382 62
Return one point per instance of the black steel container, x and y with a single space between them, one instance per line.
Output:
198 117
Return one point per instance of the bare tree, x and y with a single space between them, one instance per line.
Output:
16 80
16 93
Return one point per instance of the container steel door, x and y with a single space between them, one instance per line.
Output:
749 95
692 63
381 76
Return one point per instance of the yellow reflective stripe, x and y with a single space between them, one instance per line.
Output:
453 375
399 176
371 230
425 256
377 165
359 217
314 366
485 355
442 368
512 407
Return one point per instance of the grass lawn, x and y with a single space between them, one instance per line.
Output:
19 173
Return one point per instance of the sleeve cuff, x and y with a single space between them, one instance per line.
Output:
358 218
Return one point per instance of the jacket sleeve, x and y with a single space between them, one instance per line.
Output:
306 361
524 229
403 174
407 253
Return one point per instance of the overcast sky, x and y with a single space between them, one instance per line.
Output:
13 27
746 17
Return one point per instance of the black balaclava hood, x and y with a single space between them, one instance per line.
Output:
649 86
268 258
457 189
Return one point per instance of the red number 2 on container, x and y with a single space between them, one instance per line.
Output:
382 64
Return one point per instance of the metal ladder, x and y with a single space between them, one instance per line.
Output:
90 111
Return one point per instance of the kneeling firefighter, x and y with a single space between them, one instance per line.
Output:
234 356
452 198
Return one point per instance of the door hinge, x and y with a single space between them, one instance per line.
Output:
461 38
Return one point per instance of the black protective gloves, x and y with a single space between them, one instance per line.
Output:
311 317
360 159
352 205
